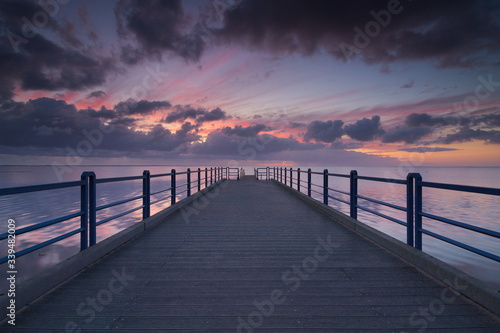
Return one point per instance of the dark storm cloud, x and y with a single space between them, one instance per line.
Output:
54 124
142 107
329 131
427 149
102 113
294 124
469 134
365 129
156 27
324 131
246 132
34 62
201 115
255 147
406 134
489 120
454 33
96 94
418 125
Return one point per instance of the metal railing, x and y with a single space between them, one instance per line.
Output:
87 212
413 208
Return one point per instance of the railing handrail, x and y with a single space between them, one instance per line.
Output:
88 201
413 209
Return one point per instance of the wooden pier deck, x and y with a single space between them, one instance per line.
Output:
250 256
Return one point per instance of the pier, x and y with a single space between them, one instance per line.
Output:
251 254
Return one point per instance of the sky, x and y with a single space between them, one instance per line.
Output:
250 82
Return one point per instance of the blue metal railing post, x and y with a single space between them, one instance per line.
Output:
268 173
298 179
173 186
188 181
418 211
309 182
285 175
92 209
409 209
211 176
199 179
325 186
291 177
206 177
354 194
84 219
146 192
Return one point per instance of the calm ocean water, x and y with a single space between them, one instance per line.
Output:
476 209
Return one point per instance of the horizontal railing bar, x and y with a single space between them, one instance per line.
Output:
118 203
316 192
44 244
118 179
119 215
36 188
382 203
152 203
462 188
161 175
383 180
43 224
316 185
334 190
332 197
461 245
339 175
462 225
168 189
181 192
382 215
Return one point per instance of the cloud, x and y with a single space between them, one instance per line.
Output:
201 115
142 107
294 124
365 129
424 119
96 94
408 85
34 62
406 134
420 30
324 131
245 132
426 149
249 147
346 145
53 124
151 28
469 134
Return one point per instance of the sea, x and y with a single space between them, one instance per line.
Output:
475 209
